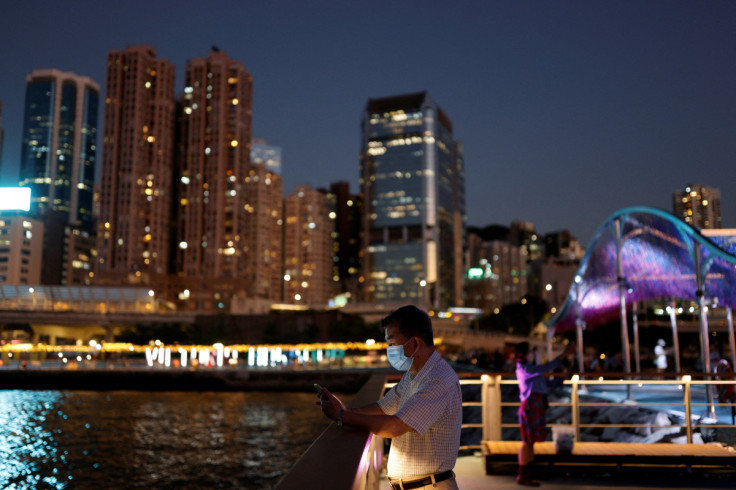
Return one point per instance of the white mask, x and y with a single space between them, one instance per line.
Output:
397 358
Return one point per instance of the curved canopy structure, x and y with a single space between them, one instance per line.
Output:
642 253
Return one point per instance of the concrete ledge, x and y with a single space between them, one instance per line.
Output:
344 381
341 458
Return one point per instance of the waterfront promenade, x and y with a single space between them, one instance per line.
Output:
471 476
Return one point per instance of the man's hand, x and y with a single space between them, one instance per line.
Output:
331 405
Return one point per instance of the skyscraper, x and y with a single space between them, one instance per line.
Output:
2 134
698 205
212 229
345 214
412 181
134 234
307 248
264 210
60 144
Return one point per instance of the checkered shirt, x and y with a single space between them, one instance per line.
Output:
431 404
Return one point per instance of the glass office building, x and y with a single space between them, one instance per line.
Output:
412 180
60 143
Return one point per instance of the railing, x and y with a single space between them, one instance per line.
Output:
351 459
489 411
341 458
493 425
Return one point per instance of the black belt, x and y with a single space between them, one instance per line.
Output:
408 485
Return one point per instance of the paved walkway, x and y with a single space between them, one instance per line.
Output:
471 475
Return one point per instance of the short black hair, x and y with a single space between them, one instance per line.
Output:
411 322
521 350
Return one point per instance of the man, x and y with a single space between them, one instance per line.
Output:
532 412
422 414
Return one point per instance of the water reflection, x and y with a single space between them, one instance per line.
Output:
78 439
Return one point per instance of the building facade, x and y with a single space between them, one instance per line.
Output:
412 182
136 188
698 205
215 139
60 144
2 134
264 213
58 156
21 248
497 273
262 152
308 253
345 215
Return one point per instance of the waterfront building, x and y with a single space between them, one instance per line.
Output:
264 210
58 158
345 215
212 230
136 188
552 276
60 144
698 205
412 182
497 272
307 248
21 248
2 135
523 234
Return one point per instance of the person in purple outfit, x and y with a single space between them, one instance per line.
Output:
533 396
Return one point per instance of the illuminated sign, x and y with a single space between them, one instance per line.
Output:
15 198
475 273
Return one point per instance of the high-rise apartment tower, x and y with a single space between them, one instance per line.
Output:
412 180
698 205
307 248
264 210
345 214
134 225
212 230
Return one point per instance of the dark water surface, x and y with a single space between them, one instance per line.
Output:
85 439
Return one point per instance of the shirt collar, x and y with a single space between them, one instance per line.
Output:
433 359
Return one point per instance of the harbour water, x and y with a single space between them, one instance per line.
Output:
123 439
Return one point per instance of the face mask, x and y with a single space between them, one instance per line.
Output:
397 358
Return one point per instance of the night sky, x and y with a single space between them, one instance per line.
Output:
568 110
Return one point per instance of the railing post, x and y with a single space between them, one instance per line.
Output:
688 409
491 400
575 406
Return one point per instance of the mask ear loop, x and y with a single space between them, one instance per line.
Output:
415 350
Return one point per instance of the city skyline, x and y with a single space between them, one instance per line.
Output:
567 112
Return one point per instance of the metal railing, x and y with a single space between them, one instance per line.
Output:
353 458
493 425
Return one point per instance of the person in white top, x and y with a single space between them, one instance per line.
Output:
422 414
660 356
